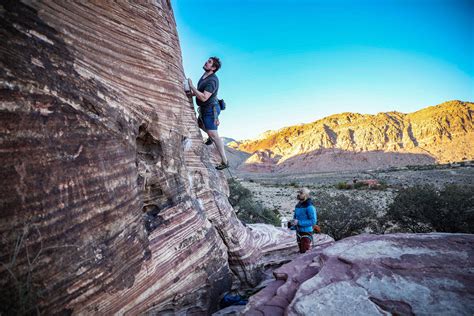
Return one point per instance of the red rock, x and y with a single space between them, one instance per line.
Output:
288 277
352 141
103 164
377 274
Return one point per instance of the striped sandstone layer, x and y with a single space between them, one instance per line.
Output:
110 203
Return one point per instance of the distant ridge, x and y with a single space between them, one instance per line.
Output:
227 140
436 134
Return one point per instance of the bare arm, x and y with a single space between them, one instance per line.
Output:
202 96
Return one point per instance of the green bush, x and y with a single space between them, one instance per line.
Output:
343 186
340 217
247 209
424 209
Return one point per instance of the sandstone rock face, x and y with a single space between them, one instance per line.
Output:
275 298
109 201
351 141
402 274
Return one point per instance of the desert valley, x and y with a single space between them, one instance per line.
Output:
365 159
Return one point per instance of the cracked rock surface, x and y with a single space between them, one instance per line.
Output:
398 274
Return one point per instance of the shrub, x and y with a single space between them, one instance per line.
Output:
423 209
22 288
340 217
247 209
360 185
457 210
343 186
381 186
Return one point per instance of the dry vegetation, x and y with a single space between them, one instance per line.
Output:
247 209
444 204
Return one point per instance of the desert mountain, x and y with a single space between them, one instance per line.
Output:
227 140
346 141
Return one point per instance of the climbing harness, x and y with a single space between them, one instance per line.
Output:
300 238
304 236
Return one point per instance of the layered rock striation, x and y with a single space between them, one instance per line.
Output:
109 201
399 274
350 141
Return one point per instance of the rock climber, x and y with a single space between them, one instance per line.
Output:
208 106
304 219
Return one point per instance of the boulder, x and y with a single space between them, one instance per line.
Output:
422 274
277 295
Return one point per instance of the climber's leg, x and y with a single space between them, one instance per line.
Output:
210 121
219 144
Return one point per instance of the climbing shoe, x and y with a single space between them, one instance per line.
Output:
208 141
222 166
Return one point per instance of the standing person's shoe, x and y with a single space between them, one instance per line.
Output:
209 141
222 166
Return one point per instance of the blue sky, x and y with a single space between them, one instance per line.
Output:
288 62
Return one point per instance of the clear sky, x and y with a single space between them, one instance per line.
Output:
286 62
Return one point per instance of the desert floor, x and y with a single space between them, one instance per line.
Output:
278 191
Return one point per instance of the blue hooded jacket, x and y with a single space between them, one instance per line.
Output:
305 213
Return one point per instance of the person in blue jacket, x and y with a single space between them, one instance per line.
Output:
304 219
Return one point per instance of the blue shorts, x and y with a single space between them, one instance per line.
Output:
208 117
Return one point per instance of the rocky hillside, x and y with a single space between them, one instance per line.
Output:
440 133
